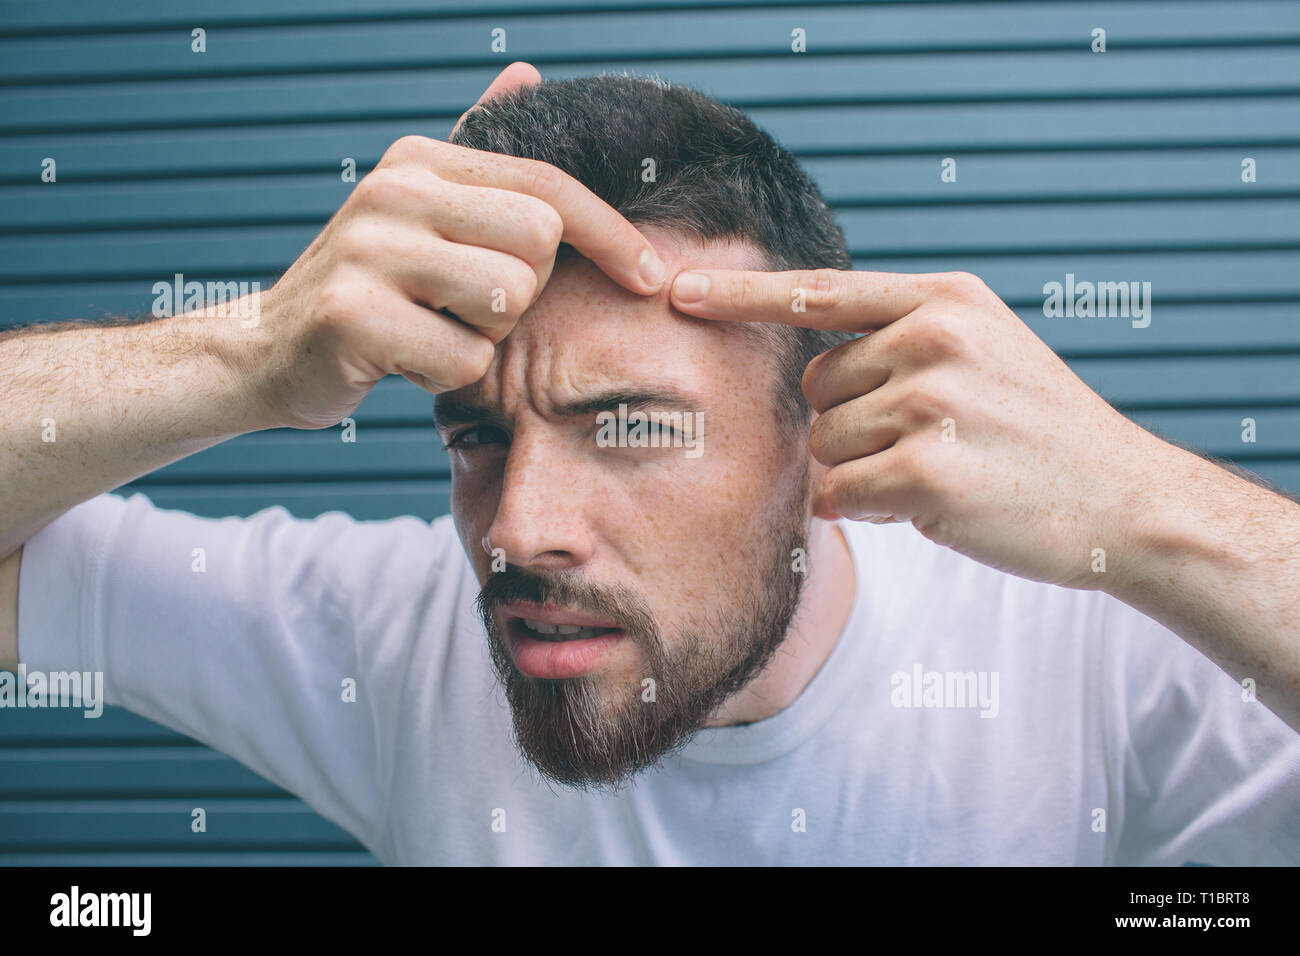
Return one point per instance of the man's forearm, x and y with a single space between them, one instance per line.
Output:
87 408
1216 559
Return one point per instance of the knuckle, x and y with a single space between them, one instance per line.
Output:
336 303
811 384
908 466
838 488
962 286
818 376
821 438
474 362
409 148
358 241
520 282
740 293
939 334
846 358
385 186
542 229
543 179
821 288
926 403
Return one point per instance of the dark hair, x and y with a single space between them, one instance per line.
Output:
717 177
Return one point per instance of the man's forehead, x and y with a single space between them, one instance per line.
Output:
581 307
680 249
588 336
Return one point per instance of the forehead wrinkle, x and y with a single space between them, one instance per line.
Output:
547 371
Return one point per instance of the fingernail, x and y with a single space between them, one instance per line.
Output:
690 287
651 269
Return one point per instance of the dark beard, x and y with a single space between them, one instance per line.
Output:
588 733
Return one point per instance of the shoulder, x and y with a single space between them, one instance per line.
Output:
269 556
933 583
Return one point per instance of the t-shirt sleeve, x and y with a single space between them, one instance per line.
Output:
1210 776
258 636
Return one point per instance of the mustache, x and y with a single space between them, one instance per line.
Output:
572 590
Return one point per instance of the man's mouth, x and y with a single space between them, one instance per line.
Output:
554 642
562 632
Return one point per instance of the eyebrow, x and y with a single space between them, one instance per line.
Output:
450 411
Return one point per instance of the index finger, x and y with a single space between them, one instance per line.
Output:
591 225
515 76
811 298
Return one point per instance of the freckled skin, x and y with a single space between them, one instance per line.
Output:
682 532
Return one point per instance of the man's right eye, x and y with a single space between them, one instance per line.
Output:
476 436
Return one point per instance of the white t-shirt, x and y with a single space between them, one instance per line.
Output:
1108 740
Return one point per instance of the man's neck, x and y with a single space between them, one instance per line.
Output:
823 612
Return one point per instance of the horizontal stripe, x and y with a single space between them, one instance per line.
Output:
1235 123
1033 187
333 47
780 79
164 824
118 772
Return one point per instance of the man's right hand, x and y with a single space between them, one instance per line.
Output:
426 267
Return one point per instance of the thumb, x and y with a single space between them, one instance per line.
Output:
514 77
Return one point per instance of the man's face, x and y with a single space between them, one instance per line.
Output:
628 590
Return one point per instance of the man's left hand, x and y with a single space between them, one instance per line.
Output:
953 415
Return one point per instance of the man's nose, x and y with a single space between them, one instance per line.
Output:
540 519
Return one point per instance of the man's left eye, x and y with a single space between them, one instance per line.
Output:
662 429
639 432
475 436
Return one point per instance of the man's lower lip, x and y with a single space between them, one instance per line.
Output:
556 660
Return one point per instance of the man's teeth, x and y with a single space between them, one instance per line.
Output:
566 631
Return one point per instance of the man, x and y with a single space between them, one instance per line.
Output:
706 618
